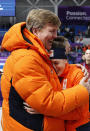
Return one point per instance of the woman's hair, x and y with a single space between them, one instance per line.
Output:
37 18
59 42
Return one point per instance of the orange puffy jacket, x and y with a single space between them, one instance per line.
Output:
79 116
29 77
71 77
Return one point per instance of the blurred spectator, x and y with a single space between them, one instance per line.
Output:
84 48
77 40
71 58
88 30
80 33
79 49
72 34
86 59
69 33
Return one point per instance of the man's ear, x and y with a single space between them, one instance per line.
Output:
35 31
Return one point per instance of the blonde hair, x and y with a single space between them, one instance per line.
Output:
37 18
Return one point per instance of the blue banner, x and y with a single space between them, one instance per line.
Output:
7 7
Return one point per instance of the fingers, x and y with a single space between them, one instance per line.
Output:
88 86
84 79
86 76
80 66
84 70
24 103
86 83
31 110
89 80
28 110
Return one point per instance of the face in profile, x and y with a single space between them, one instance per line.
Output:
46 35
87 55
59 65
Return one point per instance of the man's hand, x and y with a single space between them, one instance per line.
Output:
29 109
86 82
84 70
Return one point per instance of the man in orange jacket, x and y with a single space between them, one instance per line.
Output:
28 76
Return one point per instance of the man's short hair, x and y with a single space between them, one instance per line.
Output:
37 18
59 42
58 48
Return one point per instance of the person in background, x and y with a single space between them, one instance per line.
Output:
71 59
29 76
86 59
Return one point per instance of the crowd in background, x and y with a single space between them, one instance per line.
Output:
74 33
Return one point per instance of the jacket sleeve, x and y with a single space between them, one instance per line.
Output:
82 120
80 115
73 115
31 82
